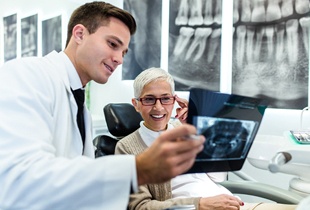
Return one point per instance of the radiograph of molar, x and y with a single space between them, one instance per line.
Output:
224 139
145 45
51 35
271 50
10 37
29 36
194 43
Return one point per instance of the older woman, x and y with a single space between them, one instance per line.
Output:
154 100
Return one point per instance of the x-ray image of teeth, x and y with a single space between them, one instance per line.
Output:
271 50
29 36
145 45
194 43
10 37
225 138
51 35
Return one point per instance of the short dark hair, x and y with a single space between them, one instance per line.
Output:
95 14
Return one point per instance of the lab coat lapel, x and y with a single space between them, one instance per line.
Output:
63 75
88 147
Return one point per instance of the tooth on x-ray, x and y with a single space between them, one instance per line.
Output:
305 25
196 14
287 8
236 13
208 18
200 41
241 33
214 43
218 12
302 6
246 11
185 34
292 40
260 32
250 44
273 11
280 28
259 12
182 17
270 41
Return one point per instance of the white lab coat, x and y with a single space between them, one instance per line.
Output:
41 162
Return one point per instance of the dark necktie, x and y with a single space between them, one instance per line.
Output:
79 96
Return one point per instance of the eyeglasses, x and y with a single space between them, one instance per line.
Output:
150 101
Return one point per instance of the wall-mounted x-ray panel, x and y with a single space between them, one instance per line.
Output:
29 36
145 45
10 37
270 51
51 35
195 43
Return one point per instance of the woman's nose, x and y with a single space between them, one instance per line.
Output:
158 105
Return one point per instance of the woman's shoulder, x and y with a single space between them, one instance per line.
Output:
130 144
131 137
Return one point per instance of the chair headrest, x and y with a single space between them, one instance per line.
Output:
121 118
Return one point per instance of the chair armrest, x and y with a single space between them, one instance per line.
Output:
262 190
105 145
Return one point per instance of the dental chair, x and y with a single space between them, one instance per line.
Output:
122 119
261 190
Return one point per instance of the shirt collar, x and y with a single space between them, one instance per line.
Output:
74 79
148 136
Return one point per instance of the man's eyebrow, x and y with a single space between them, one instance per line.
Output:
117 39
119 42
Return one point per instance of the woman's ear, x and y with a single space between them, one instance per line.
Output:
135 104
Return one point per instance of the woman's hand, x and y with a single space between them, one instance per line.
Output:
181 111
220 202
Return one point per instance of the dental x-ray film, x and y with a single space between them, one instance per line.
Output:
229 123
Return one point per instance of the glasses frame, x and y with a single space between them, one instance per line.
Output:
142 102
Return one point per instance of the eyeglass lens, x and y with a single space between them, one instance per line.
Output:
152 101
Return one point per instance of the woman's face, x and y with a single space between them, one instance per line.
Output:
155 116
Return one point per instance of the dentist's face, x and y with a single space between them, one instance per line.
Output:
99 54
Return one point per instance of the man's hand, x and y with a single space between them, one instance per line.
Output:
220 202
171 154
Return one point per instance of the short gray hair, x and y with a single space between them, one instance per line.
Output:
150 75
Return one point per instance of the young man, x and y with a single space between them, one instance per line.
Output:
154 100
47 159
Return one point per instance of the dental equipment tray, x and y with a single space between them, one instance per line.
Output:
302 136
229 123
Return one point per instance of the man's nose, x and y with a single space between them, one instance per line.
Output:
118 58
